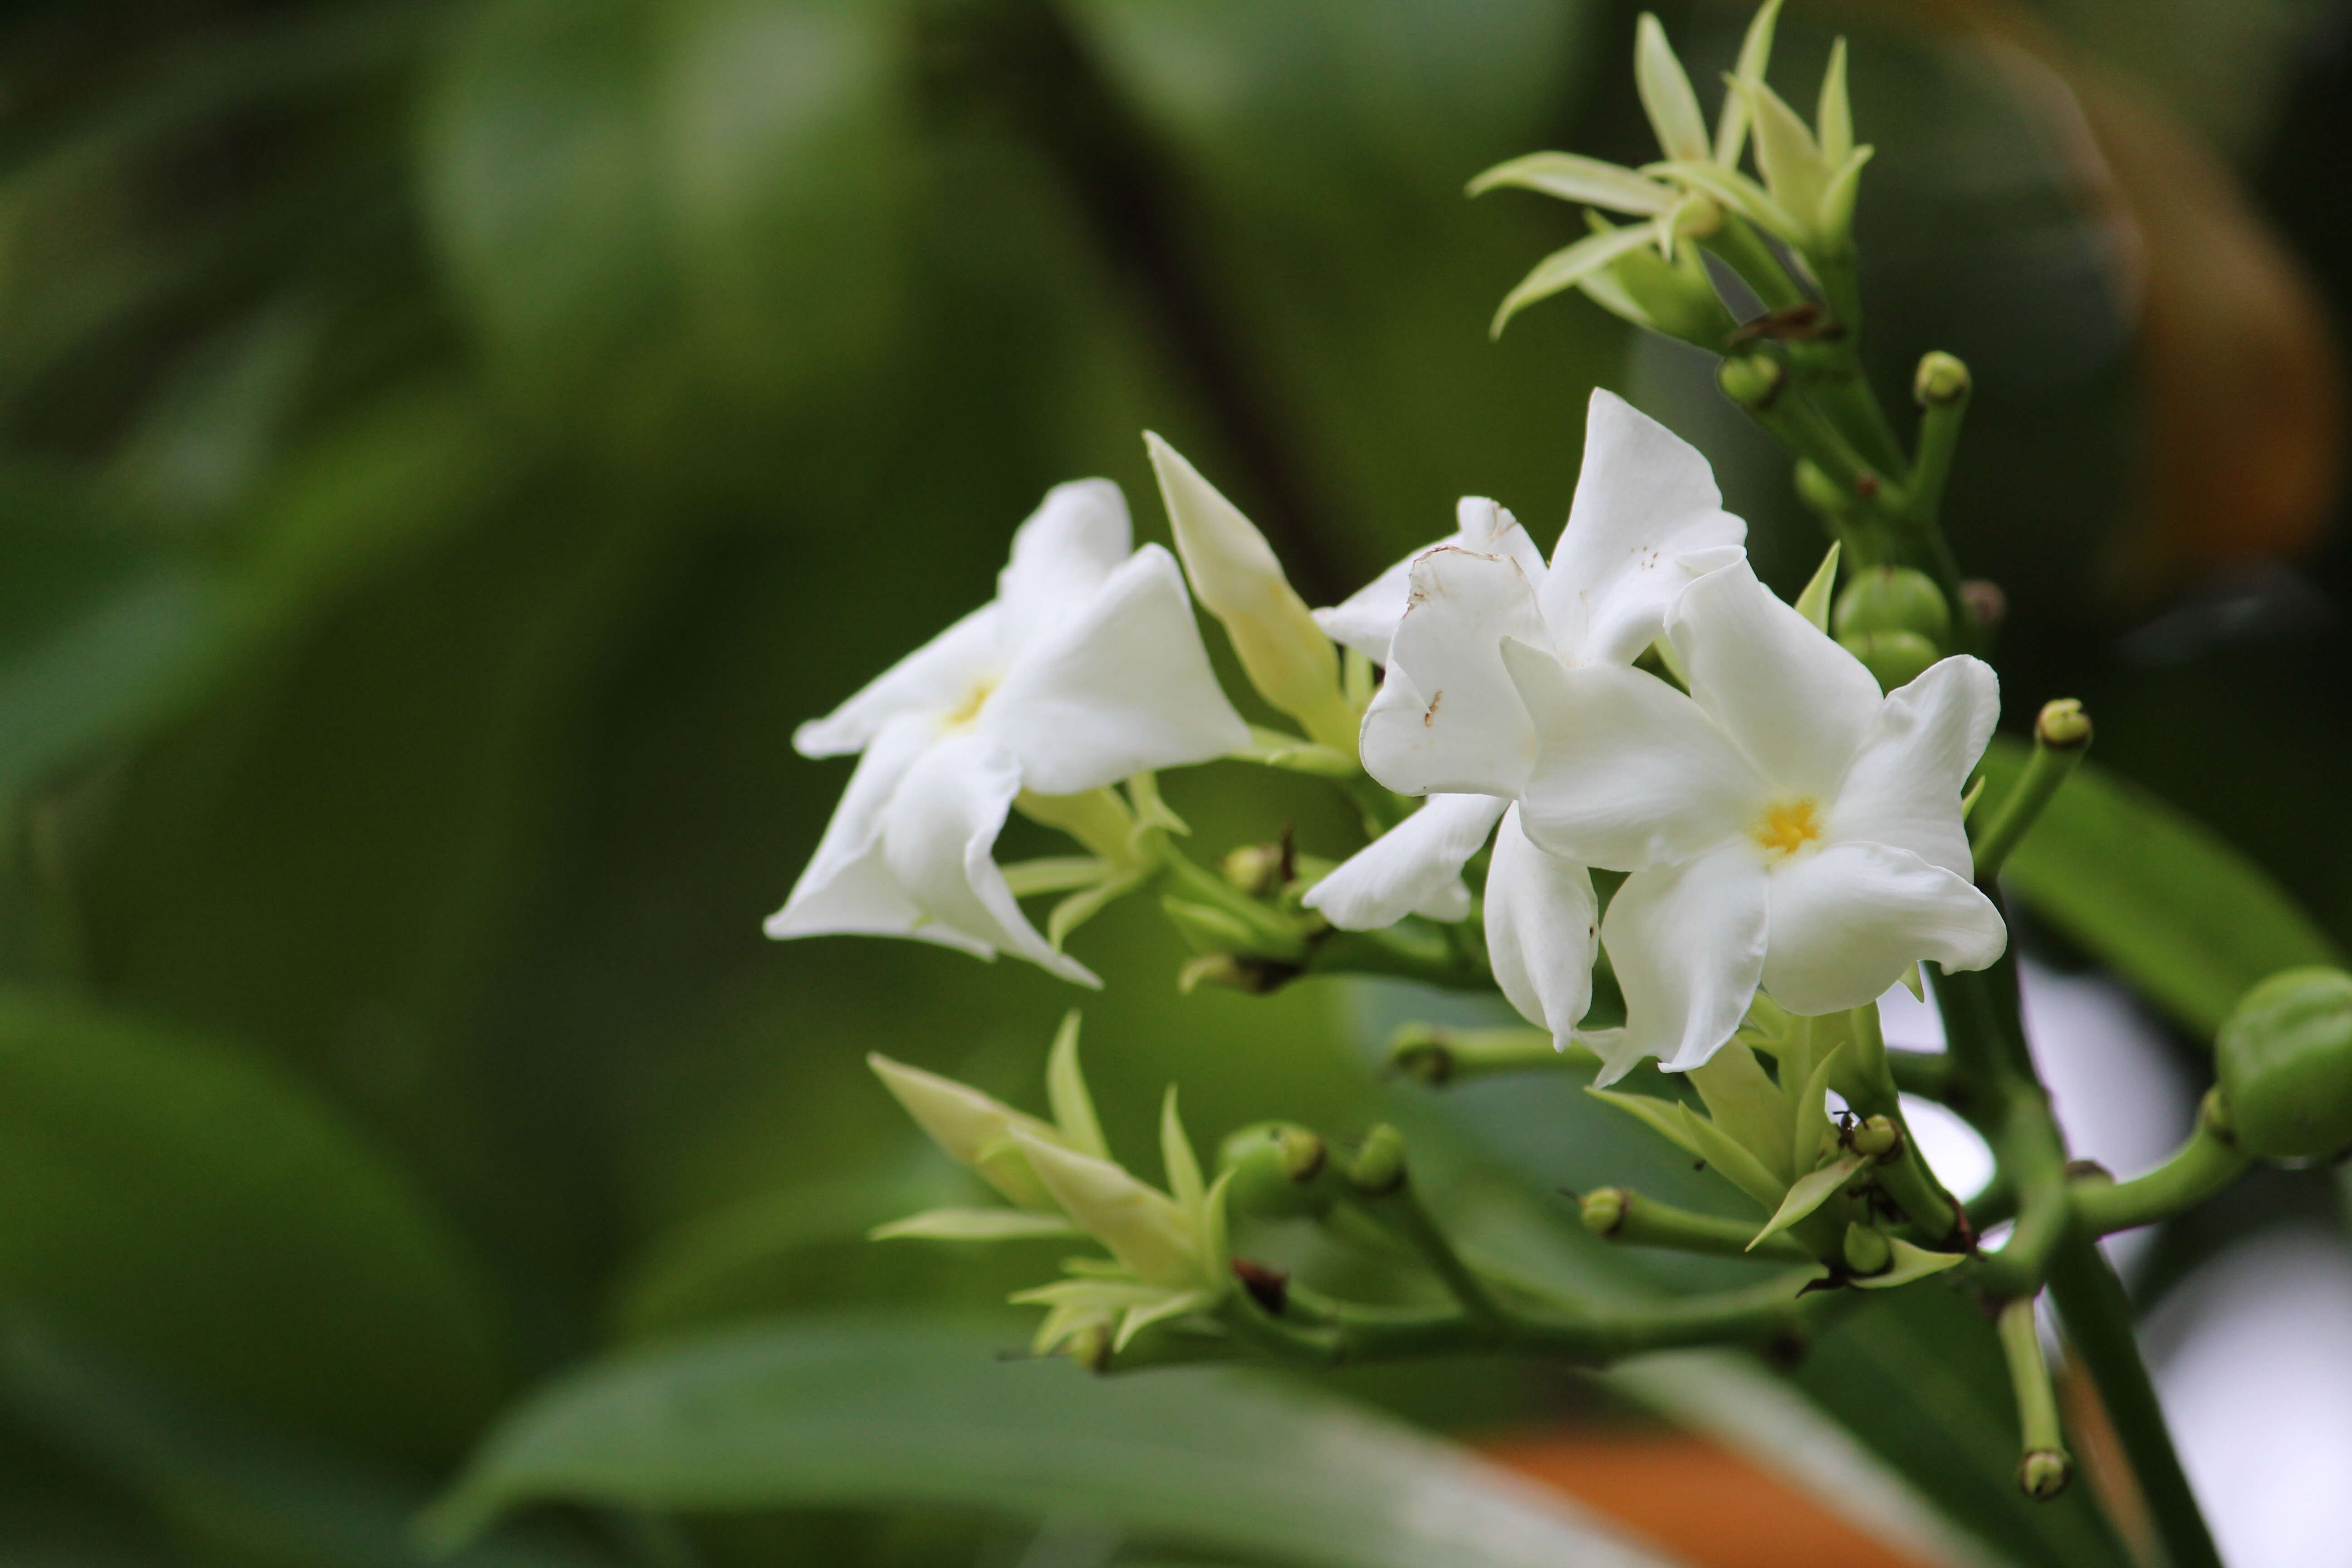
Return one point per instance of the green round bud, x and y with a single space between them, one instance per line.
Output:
1867 1251
1379 1164
1878 1137
1893 599
2284 1059
1752 380
1254 869
1942 379
1604 1209
2061 725
1273 1166
2043 1474
1896 659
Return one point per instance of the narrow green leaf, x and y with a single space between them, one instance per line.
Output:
1184 1182
1065 1091
1808 1193
974 1224
1663 1117
827 1413
1742 1099
1910 1263
1812 1123
2183 915
1733 1162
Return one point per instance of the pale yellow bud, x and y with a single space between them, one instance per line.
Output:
1145 1229
1235 575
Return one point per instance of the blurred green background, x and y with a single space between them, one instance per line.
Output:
445 448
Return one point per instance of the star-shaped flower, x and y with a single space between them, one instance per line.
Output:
1085 670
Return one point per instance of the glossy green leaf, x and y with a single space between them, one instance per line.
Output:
1807 1193
2170 904
830 1413
180 1204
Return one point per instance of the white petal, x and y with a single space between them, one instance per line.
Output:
1542 926
1848 920
1905 786
1644 496
1629 772
1797 703
1454 724
1078 536
846 888
1415 867
1687 945
1120 687
954 668
1368 617
937 834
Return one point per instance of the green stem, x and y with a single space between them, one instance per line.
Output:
1432 1054
1928 1074
2098 1319
2210 1161
2034 1158
2045 1469
1617 1215
1400 1211
2061 733
1940 418
1902 1174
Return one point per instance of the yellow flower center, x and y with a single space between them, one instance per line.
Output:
966 713
1787 827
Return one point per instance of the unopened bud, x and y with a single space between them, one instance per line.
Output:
1273 1166
2284 1059
1866 1250
1988 605
2063 726
1896 659
1942 379
2043 1474
1752 380
1604 1209
1379 1169
1236 578
1254 869
1893 599
1878 1137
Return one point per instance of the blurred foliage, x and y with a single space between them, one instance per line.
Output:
443 448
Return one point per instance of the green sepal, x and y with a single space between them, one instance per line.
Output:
1054 874
1086 904
1293 753
1663 1117
1808 1193
1810 1123
1742 1099
973 1225
1065 1091
1910 1263
1731 1161
1813 604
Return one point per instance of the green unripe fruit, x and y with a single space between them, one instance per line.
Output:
1941 380
2285 1065
1276 1169
1896 659
1603 1209
1893 599
2043 1474
1867 1251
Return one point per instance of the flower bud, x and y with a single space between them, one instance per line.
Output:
2043 1474
2285 1059
1752 380
1234 574
1379 1164
1254 869
1675 298
1146 1230
1942 379
1896 659
1273 1167
1893 599
2061 725
1867 1251
1604 1209
1877 1137
974 1129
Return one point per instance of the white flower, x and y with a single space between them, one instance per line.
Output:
1449 723
1785 825
1085 670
